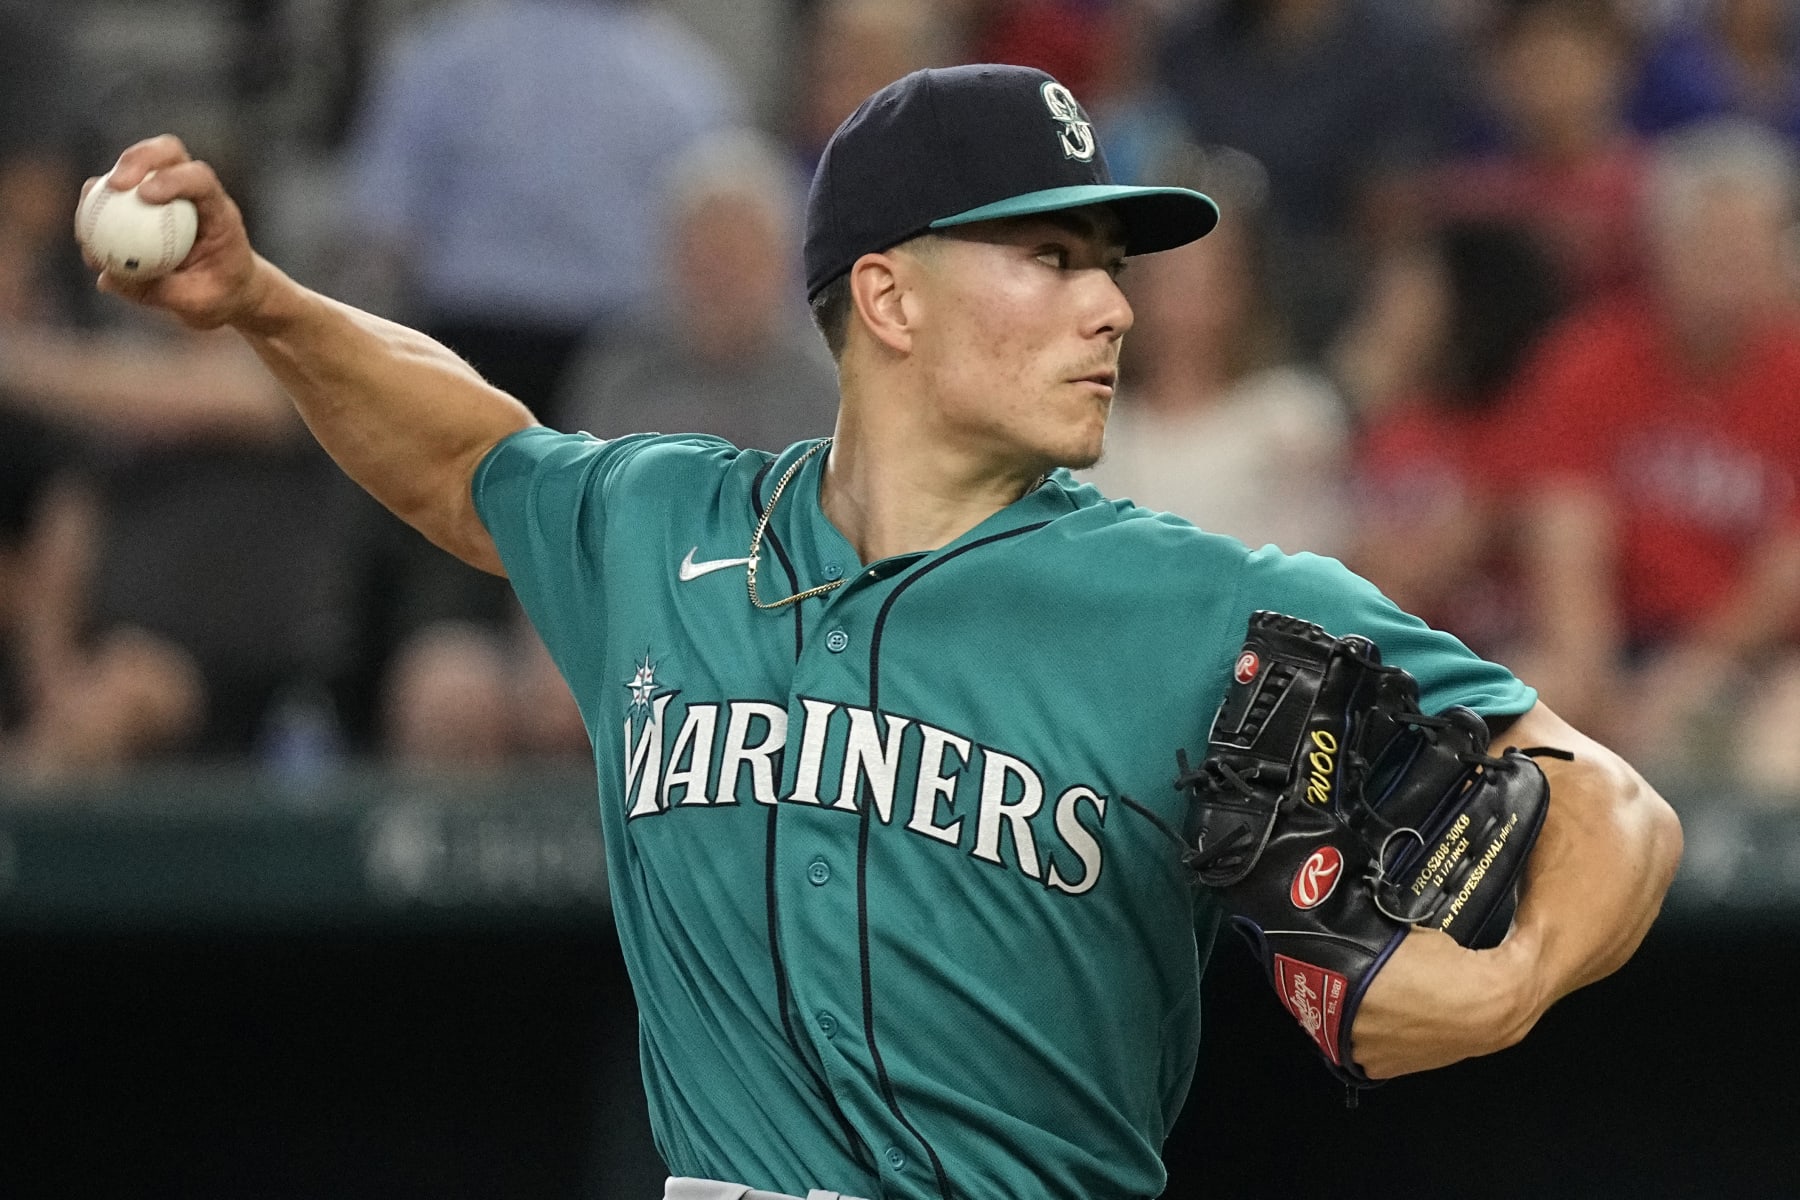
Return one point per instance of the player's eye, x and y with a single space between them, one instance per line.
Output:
1116 268
1054 256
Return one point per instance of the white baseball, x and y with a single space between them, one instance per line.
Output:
134 238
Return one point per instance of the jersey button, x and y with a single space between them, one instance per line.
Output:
896 1158
827 1024
833 571
837 641
819 872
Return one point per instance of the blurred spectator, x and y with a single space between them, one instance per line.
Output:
203 519
1559 155
153 591
463 696
1215 421
1728 58
852 49
732 350
1438 343
755 41
507 165
1659 441
1074 40
70 702
37 122
514 244
1340 100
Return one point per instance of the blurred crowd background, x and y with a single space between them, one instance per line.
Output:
1502 312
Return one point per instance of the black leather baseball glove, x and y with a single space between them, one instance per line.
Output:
1333 816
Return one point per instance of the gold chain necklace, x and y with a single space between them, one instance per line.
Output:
763 524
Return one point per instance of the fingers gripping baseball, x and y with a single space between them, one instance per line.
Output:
214 283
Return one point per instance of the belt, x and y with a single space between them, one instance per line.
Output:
683 1188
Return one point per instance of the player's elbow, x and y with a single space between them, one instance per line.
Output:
1662 835
441 506
1647 841
446 517
1646 822
463 534
477 549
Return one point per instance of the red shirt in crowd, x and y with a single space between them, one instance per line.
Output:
1701 469
1429 478
1586 212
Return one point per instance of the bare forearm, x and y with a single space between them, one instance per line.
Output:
401 414
1604 860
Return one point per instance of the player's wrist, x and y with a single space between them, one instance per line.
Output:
267 302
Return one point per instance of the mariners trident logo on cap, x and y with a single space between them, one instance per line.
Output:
957 145
1077 133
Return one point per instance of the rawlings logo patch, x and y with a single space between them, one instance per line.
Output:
1316 998
1317 877
1247 667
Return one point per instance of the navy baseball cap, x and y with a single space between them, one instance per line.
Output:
954 145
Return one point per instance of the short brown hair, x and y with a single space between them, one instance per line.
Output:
831 313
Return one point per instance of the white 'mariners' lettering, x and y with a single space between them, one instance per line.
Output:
933 783
996 767
812 751
643 763
877 761
695 767
695 741
1078 838
760 757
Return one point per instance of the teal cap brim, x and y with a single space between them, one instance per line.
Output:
1155 218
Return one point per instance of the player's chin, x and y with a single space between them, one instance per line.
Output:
1081 460
1080 450
1086 435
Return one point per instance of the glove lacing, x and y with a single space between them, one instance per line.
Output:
1218 776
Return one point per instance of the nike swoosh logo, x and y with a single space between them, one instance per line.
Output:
693 570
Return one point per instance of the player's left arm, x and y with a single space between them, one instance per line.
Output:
1595 881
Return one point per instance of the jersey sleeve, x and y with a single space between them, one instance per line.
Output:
1327 593
552 502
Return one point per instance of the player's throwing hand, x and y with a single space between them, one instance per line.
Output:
217 283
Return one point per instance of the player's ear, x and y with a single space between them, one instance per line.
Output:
881 295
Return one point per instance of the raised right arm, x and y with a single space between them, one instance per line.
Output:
401 414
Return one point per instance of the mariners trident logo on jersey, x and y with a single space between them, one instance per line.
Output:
935 783
642 686
1077 133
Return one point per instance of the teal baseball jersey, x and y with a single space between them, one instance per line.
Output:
897 869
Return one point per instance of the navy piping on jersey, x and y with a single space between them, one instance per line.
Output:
863 1155
862 851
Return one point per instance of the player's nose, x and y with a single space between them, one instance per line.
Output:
1109 313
